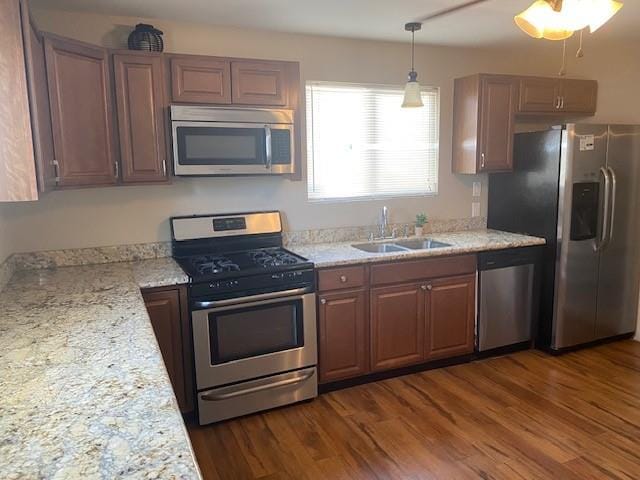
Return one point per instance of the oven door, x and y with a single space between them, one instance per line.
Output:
218 148
243 339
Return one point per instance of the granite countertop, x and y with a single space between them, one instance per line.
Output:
85 393
336 254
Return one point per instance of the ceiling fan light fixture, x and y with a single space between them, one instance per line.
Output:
560 19
412 91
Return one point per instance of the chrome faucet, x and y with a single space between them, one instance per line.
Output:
384 221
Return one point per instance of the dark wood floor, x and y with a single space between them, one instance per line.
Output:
526 415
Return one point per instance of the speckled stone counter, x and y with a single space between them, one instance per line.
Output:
85 393
335 254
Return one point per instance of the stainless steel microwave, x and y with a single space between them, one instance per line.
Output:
232 141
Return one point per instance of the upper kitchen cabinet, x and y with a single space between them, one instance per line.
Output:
38 102
140 99
224 81
484 122
259 83
539 95
17 166
80 92
199 79
486 108
557 96
578 96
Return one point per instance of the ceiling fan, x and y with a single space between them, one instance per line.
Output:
552 19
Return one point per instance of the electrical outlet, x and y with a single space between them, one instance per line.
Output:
477 189
475 209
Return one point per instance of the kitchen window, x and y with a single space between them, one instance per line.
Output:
362 145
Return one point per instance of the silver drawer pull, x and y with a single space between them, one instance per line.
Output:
343 278
323 301
216 397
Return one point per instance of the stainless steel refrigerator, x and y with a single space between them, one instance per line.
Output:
579 187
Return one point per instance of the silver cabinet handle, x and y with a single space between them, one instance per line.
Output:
423 287
164 167
557 105
323 301
213 397
116 169
343 278
429 287
561 103
268 151
482 157
614 191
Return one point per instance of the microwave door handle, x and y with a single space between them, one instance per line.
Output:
269 153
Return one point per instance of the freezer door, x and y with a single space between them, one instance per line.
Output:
580 201
620 258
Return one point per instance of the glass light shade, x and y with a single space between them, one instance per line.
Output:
540 20
412 95
601 11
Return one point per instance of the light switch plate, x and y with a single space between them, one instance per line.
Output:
475 209
477 189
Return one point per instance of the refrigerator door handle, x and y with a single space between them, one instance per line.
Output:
614 190
603 240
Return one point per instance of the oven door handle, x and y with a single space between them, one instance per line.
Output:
216 397
252 298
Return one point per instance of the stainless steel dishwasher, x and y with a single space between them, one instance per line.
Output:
508 298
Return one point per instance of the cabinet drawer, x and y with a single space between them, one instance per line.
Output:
341 278
422 269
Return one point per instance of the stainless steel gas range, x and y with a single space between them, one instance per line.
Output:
253 313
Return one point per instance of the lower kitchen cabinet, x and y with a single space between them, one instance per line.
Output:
394 315
343 335
450 317
397 326
170 320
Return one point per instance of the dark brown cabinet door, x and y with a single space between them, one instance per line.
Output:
450 317
397 326
80 92
343 335
579 96
141 117
259 83
539 95
497 123
166 311
200 79
38 102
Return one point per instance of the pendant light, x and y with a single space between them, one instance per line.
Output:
412 94
559 19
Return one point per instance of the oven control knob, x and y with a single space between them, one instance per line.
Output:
214 285
277 276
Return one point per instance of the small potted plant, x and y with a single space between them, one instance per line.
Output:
421 220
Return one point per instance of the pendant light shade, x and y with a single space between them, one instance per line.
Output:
559 19
412 92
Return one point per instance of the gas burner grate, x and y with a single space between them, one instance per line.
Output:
265 258
209 264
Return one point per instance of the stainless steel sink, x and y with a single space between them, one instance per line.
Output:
380 247
421 244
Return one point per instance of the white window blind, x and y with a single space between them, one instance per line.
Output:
361 144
